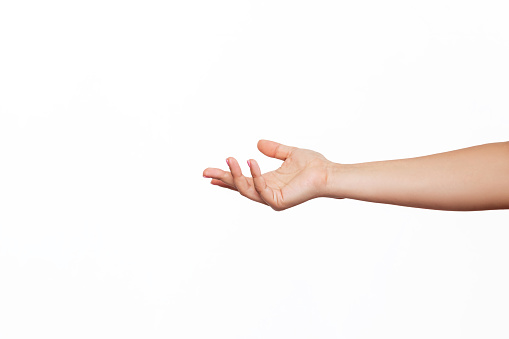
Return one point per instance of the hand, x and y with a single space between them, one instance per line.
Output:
301 177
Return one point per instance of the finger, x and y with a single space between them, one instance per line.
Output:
224 176
219 174
274 149
222 184
265 192
240 181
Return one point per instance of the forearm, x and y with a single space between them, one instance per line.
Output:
473 178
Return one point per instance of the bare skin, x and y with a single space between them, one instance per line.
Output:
468 179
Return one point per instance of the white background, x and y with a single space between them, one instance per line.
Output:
111 110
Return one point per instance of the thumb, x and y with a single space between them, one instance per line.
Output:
274 149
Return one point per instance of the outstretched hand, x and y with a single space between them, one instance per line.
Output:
301 177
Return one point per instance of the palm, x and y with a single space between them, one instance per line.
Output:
291 179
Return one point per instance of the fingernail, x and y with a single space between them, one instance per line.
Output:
205 176
227 162
249 163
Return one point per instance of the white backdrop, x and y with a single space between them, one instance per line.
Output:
111 110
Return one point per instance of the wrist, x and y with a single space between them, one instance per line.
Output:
334 187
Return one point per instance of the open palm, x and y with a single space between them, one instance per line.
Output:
301 177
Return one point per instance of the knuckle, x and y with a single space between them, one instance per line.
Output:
226 176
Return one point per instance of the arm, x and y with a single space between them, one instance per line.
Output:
468 179
473 178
